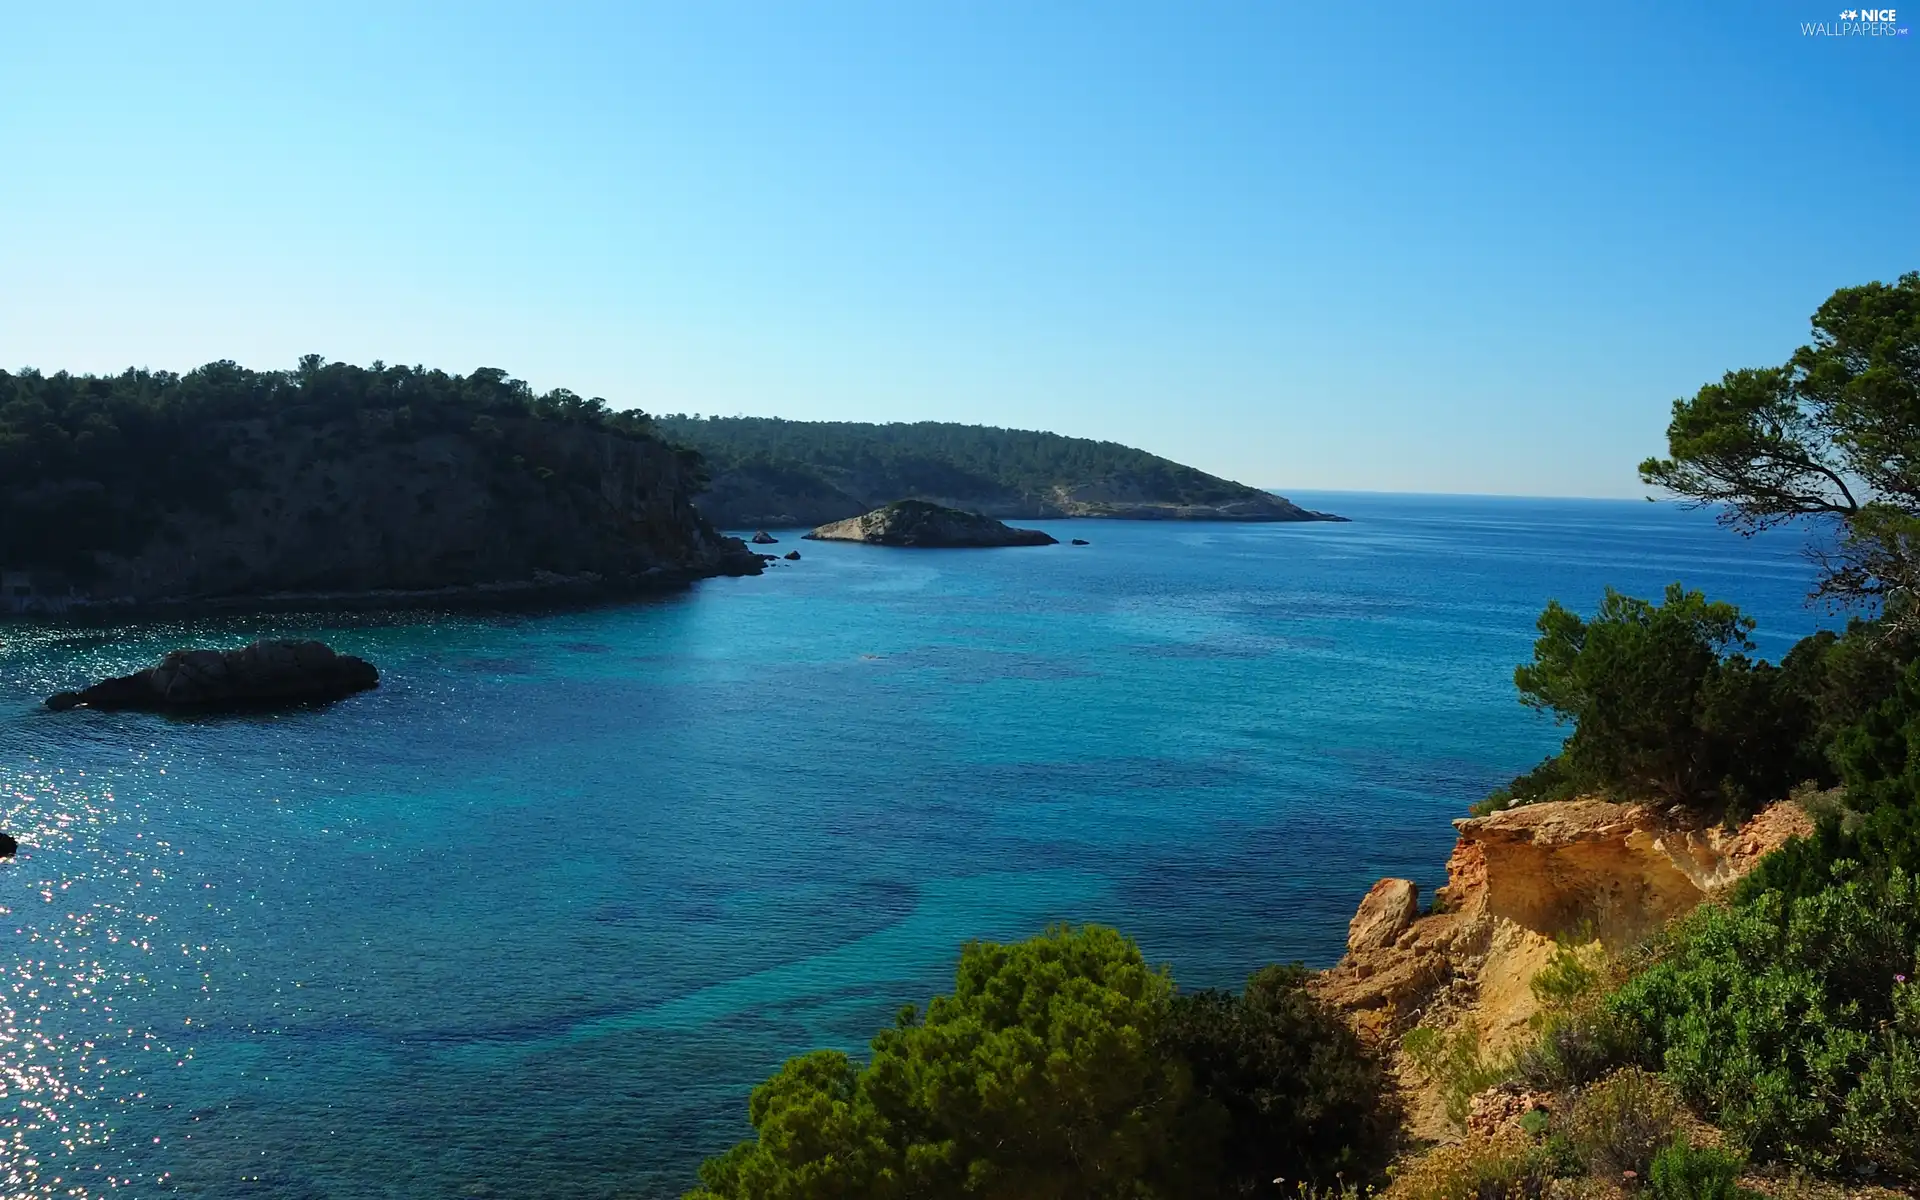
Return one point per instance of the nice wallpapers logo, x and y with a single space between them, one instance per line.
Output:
1858 22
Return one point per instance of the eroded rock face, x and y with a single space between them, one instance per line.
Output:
263 674
923 525
1516 881
1592 868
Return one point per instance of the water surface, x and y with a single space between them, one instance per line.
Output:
533 917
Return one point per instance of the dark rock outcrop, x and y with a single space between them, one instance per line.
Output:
265 674
793 556
923 525
7 845
763 538
1081 542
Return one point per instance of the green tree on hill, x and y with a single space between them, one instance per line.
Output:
91 463
1665 705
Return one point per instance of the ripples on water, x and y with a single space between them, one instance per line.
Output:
533 917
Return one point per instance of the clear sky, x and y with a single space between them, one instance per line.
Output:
1378 246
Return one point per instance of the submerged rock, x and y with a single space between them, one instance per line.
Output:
263 674
763 538
924 525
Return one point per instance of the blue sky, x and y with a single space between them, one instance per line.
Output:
1426 248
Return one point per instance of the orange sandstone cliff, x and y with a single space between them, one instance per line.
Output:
1517 880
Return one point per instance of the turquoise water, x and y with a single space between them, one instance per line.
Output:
532 918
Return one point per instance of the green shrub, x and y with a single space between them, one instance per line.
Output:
1302 1098
1876 827
1574 1047
1576 1039
1551 780
1618 1124
1784 1018
1881 1125
1683 1171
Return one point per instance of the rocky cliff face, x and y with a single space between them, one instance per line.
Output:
1516 881
371 510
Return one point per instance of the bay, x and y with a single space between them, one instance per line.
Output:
533 917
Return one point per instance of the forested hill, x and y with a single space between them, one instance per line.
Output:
765 471
224 483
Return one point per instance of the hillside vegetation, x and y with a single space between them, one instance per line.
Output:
226 481
768 471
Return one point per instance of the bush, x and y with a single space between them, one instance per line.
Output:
1577 1040
1881 1125
1507 1166
1551 780
1876 827
1302 1098
1620 1123
1574 1047
1782 1019
1683 1171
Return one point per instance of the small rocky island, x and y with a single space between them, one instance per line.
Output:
263 675
921 524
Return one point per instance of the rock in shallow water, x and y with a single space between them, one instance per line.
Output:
7 845
265 674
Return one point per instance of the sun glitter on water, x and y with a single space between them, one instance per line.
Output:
71 1025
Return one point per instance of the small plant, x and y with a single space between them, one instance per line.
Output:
1577 1040
1620 1123
1455 1064
1571 974
1684 1171
1574 1048
1342 1190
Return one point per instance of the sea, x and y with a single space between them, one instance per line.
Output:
532 918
